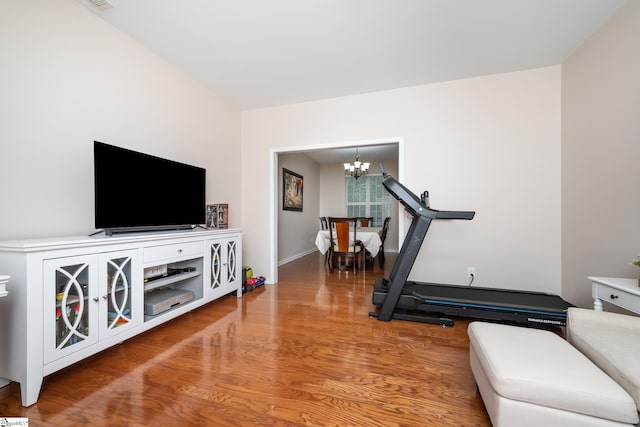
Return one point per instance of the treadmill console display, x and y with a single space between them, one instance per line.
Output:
403 195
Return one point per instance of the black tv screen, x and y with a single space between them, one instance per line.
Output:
136 191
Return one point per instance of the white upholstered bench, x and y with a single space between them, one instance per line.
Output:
532 377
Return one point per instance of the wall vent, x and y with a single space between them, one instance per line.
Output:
102 4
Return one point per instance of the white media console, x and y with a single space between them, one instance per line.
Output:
73 297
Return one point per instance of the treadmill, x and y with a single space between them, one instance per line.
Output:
397 298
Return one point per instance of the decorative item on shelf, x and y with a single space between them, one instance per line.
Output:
154 272
218 215
358 168
636 262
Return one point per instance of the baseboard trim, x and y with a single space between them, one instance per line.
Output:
295 257
310 251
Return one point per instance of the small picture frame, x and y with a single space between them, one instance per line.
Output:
292 191
218 215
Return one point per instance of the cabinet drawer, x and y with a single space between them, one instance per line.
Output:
168 252
619 298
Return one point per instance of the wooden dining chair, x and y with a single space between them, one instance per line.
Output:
340 246
366 221
324 225
383 236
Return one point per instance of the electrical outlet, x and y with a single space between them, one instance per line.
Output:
471 272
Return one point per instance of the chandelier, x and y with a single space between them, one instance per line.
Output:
357 169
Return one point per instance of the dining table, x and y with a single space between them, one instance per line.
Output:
369 236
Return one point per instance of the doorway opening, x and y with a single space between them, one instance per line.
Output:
274 154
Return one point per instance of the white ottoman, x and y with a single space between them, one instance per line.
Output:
531 377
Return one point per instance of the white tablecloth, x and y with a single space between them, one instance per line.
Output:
369 236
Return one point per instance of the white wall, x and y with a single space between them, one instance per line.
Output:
68 78
600 152
490 144
297 230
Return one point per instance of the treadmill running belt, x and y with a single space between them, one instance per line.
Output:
487 296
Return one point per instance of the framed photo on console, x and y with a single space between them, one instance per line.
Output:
218 215
292 186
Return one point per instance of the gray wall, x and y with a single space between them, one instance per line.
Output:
297 230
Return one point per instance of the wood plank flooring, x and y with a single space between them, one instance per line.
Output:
302 352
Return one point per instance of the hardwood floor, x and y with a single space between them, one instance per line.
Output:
301 352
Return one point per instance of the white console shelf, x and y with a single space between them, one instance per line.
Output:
73 297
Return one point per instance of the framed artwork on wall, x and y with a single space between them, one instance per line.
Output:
292 186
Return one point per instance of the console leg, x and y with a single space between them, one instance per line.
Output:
30 390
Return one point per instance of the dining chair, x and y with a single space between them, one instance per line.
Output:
366 221
323 223
383 236
340 246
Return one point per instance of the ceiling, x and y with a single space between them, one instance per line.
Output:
262 53
372 154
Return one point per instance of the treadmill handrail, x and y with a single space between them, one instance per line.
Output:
455 215
413 204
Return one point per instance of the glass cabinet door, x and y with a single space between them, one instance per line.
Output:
118 292
117 295
224 268
232 264
72 311
216 279
69 287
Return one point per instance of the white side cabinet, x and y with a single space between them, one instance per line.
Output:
74 297
622 292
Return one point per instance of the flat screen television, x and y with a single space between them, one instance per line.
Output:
140 192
